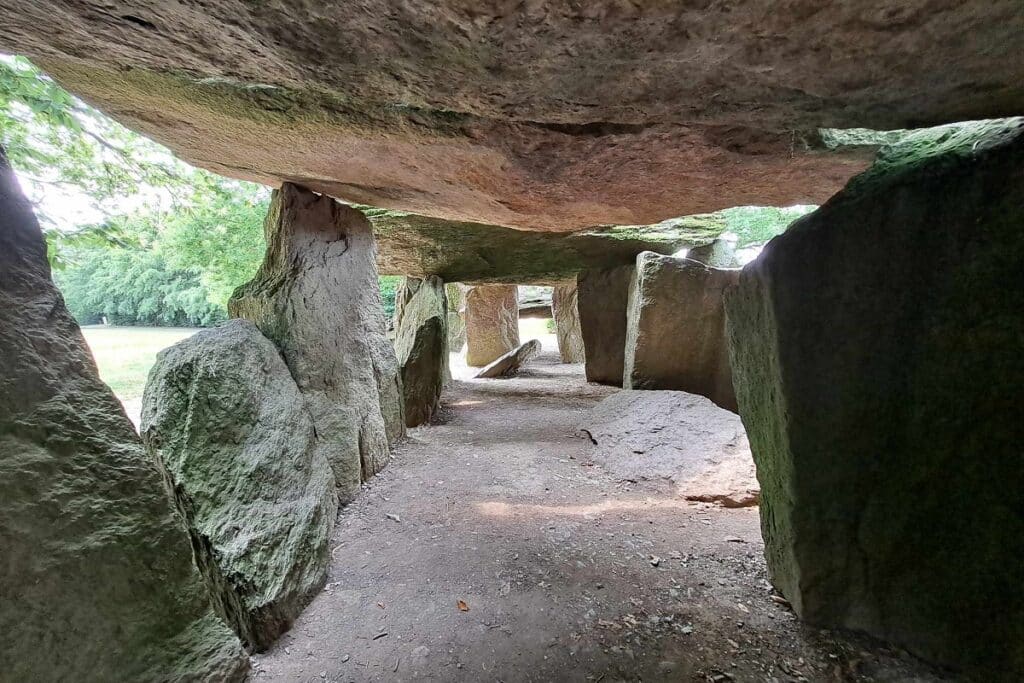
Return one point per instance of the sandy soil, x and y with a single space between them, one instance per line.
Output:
493 549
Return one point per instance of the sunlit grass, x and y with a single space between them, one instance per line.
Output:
124 355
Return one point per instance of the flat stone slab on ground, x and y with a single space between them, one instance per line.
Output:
510 363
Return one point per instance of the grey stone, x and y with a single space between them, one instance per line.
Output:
492 323
720 253
225 421
316 297
456 293
675 328
511 362
603 296
565 307
672 435
97 580
876 347
421 344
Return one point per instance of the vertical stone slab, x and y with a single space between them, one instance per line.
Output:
96 576
877 353
421 344
565 308
675 328
456 293
316 297
225 422
603 296
492 322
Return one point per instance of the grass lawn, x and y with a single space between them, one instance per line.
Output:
125 354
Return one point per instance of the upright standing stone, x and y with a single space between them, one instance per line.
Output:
456 293
421 344
492 322
96 576
225 421
877 351
316 297
565 308
675 328
603 296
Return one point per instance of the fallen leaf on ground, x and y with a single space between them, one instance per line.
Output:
463 607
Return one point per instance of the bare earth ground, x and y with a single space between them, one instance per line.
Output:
491 549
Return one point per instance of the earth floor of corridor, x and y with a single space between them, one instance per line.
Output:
491 549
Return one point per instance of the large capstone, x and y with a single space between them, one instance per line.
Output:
97 579
565 308
602 299
876 348
540 116
492 323
675 328
317 298
421 344
225 421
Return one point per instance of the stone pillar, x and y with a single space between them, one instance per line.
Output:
96 576
675 328
877 353
421 344
492 322
456 293
565 309
603 296
317 298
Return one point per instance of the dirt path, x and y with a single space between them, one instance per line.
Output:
566 574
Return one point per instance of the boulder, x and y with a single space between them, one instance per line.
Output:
97 580
539 116
316 297
421 344
602 299
224 420
876 350
511 362
565 307
492 323
671 435
675 328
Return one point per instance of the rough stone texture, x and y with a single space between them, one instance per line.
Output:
565 308
720 253
675 328
677 436
409 244
510 363
421 344
97 580
492 323
877 352
225 420
602 298
541 116
535 301
316 297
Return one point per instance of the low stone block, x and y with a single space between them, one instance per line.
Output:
511 362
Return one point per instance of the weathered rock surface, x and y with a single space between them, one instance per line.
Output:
492 323
540 116
316 297
509 364
421 344
564 305
535 301
97 579
602 299
675 328
676 436
225 420
409 244
876 347
720 253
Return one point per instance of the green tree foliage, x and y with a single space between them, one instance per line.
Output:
388 284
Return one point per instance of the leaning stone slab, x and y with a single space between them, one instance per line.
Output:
421 344
876 347
225 421
492 323
603 296
565 308
511 362
675 328
317 298
96 574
